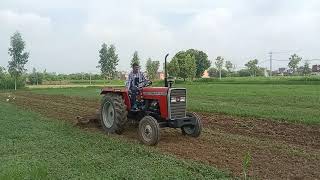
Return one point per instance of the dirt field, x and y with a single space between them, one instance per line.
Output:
278 150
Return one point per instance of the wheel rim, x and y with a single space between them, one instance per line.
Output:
108 114
189 129
147 133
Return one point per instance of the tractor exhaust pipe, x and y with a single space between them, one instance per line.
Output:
165 72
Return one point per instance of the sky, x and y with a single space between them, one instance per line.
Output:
65 36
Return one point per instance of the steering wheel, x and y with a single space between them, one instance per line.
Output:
145 84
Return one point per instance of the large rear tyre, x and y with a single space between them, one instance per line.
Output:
193 130
149 131
113 113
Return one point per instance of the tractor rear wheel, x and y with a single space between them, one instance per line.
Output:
149 131
193 130
113 113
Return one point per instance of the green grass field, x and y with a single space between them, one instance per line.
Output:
288 102
34 147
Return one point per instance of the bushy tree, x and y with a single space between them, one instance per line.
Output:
108 61
35 78
294 61
213 72
18 57
190 66
173 67
201 60
252 66
244 73
152 68
219 64
306 69
186 65
135 59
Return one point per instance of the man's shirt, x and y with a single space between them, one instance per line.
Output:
133 77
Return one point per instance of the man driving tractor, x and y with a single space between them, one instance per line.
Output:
136 80
157 107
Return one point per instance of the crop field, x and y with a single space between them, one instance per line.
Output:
277 125
281 102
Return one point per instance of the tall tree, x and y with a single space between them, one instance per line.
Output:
252 66
219 64
18 57
135 58
108 61
152 68
294 62
201 60
229 67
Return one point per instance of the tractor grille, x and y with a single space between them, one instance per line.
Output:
177 103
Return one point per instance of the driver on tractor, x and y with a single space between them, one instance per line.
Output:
136 80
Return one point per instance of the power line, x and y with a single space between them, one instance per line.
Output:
278 52
263 61
280 60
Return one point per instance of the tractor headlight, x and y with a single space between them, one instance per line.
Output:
178 99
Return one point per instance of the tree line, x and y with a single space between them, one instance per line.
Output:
187 64
108 62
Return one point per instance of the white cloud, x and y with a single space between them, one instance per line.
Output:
32 26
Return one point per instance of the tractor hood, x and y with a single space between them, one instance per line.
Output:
155 91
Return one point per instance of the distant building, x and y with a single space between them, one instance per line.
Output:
160 75
122 75
316 69
289 71
205 74
282 71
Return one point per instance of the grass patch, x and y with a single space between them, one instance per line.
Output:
288 80
34 147
295 103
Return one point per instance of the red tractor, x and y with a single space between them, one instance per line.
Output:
158 107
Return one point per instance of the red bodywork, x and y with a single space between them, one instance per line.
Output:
155 93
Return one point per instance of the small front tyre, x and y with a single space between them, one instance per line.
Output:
149 131
193 130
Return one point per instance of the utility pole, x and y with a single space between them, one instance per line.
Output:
270 64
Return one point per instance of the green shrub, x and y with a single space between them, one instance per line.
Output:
7 82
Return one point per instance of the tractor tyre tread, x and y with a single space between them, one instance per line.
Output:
120 110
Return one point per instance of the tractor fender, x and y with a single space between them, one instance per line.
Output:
122 91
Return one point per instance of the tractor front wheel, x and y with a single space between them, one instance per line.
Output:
113 113
193 130
149 131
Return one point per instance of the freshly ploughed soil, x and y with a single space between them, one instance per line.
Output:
278 150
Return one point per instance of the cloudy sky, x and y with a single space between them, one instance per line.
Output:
65 36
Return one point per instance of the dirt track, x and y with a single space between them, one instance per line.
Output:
278 150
